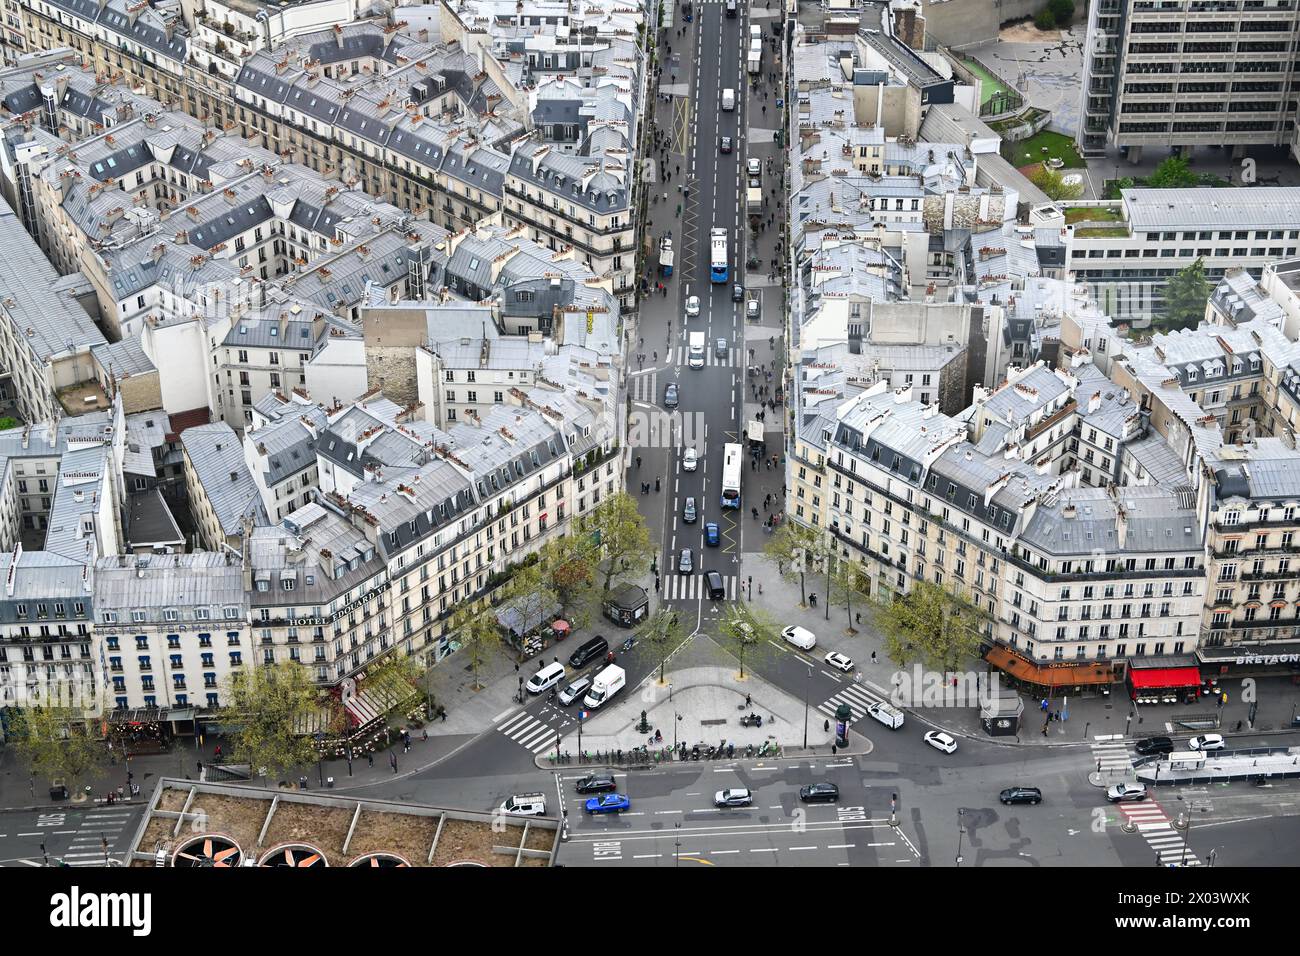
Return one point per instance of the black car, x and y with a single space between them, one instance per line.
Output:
597 783
1021 795
819 793
726 144
1154 745
737 292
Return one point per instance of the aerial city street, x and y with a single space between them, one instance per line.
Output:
690 433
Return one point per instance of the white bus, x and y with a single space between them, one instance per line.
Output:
733 460
718 255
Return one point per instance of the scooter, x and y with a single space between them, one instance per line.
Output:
731 750
627 645
751 720
695 752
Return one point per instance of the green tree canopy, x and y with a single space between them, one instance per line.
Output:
1173 173
57 744
479 637
931 625
624 539
569 567
797 550
1054 185
1186 293
743 630
664 632
274 709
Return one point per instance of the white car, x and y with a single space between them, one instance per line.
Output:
839 661
690 460
1206 742
692 306
941 741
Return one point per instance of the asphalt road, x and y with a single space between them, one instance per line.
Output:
70 833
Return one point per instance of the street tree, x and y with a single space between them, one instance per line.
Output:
1186 293
795 548
931 625
56 744
1174 172
624 539
848 583
743 629
529 592
272 709
664 632
479 636
394 680
568 566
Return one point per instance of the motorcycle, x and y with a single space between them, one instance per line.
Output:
695 753
627 645
751 720
731 750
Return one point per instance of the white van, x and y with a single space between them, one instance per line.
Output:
728 99
887 714
525 805
607 683
755 33
546 678
800 637
696 359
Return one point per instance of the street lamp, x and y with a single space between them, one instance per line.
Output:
961 830
677 852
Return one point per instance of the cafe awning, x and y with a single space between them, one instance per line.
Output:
1061 675
1159 678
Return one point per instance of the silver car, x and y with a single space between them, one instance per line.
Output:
574 690
686 563
688 511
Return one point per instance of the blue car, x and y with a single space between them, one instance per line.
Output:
608 803
711 535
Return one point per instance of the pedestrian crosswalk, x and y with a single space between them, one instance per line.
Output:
644 387
681 356
1169 843
855 695
533 733
97 829
688 587
1111 757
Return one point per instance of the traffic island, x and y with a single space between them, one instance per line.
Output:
701 707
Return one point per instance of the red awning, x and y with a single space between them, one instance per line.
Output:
1158 678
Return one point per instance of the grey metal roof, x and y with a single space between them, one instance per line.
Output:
185 582
218 461
1267 207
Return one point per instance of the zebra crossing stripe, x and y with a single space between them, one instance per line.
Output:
522 715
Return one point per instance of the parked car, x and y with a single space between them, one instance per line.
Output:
692 306
711 536
754 166
689 514
574 690
608 803
1124 792
686 562
839 661
1021 795
800 637
941 741
734 797
690 460
819 793
1154 745
597 783
751 310
670 395
1206 742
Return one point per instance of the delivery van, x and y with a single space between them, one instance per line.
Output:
728 99
607 683
546 678
800 637
697 350
887 714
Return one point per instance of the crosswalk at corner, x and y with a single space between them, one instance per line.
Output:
537 736
1160 834
856 696
1111 756
681 357
96 828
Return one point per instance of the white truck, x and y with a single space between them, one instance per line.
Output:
695 358
754 62
887 714
754 197
607 683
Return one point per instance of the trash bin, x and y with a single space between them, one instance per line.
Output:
59 793
329 781
302 783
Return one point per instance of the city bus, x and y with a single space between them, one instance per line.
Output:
718 255
732 461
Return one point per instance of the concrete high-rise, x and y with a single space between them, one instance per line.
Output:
1181 73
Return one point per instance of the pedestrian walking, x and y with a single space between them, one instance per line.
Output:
833 750
826 726
392 760
370 759
873 657
858 617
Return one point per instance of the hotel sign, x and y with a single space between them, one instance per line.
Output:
342 612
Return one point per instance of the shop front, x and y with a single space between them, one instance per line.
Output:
1051 679
1273 659
1164 680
